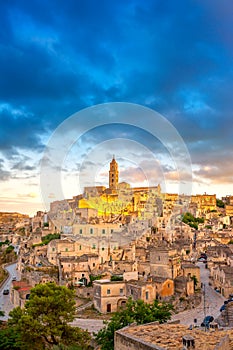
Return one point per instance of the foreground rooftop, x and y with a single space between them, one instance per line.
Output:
170 337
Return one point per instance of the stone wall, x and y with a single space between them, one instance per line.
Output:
84 292
129 342
226 317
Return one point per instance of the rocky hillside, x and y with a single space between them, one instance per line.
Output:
7 218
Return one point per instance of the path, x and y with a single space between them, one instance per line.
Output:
213 302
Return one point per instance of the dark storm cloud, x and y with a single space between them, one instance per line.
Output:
58 57
23 163
19 129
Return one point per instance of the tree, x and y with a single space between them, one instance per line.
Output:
10 339
9 249
48 238
116 278
195 281
2 313
134 311
220 203
190 220
44 319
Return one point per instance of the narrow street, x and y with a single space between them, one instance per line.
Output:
92 325
5 303
213 302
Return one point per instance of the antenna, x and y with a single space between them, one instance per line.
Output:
204 304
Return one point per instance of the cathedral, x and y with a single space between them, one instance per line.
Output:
120 196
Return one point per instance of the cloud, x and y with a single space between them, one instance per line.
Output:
23 163
17 130
219 171
27 195
4 174
59 57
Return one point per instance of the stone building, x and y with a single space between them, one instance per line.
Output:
229 210
226 317
205 203
20 292
93 191
222 277
76 269
85 213
141 290
164 262
164 287
184 285
60 247
190 270
109 296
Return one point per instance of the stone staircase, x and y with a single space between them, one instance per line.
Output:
85 306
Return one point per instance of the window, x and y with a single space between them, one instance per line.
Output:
80 247
67 249
108 291
158 258
53 249
112 230
103 231
80 231
93 246
102 248
121 291
147 295
91 230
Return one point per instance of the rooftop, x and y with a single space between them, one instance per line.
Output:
169 336
189 265
21 285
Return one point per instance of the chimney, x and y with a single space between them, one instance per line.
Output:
188 342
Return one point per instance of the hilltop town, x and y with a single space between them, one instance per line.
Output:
122 241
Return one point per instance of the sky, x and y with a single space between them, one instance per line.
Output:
58 58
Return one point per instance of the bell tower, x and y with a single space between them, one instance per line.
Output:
113 174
